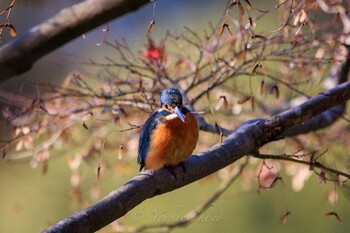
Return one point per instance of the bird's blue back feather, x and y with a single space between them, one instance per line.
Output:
145 137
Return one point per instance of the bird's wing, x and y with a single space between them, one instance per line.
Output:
145 136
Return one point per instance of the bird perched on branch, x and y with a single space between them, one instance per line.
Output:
169 135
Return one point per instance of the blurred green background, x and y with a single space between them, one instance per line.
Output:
31 201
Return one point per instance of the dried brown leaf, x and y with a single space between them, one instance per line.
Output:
284 216
249 5
337 217
120 151
217 128
13 31
225 101
253 103
274 90
85 126
150 26
232 4
222 29
262 87
255 69
333 213
251 22
337 18
99 172
207 93
244 99
241 9
260 37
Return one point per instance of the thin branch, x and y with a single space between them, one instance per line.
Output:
308 163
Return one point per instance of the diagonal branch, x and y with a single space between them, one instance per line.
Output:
194 214
19 56
246 139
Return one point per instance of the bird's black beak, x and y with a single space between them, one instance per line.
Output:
178 112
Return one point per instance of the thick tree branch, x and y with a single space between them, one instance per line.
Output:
19 55
245 140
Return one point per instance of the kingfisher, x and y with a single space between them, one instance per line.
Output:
169 135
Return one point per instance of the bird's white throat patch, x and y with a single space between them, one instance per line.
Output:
171 116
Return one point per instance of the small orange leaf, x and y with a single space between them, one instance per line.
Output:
222 29
13 31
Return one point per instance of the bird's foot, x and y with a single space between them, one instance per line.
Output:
182 165
171 170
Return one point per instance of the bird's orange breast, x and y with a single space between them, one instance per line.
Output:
172 142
